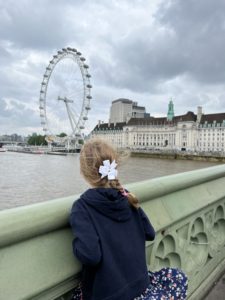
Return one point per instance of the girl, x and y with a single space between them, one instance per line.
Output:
110 232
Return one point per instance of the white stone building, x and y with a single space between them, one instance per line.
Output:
189 132
211 132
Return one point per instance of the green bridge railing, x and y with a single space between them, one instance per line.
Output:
187 211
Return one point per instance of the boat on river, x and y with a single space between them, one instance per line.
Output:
2 149
29 150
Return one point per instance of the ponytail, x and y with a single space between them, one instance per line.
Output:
132 199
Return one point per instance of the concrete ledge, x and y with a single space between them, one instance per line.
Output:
20 223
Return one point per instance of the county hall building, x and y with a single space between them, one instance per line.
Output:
131 127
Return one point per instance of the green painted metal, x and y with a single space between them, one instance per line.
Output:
187 210
170 113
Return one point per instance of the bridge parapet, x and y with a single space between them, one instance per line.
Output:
187 211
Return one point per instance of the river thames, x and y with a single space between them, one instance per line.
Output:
29 178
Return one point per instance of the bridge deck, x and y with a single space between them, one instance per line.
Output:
218 291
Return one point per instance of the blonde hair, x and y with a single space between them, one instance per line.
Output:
92 155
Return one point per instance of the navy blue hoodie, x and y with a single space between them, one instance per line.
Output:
110 243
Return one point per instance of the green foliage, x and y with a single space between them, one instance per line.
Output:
62 134
37 139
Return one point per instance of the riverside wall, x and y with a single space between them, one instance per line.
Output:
182 156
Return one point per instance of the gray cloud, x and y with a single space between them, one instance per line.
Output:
199 27
187 38
33 24
17 114
148 51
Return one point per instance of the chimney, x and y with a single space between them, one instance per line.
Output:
99 123
199 114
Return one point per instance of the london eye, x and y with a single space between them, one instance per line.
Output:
65 97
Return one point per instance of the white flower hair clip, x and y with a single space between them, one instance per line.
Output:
108 169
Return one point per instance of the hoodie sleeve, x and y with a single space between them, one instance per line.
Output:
86 244
148 228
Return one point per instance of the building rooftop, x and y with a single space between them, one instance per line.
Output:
123 100
138 107
110 126
189 116
210 118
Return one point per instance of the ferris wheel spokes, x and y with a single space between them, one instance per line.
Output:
68 73
69 113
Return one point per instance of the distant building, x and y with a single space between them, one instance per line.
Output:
191 132
123 109
12 138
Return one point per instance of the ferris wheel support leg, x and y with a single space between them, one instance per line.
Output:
50 146
68 145
69 115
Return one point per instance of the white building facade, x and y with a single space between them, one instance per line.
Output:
189 132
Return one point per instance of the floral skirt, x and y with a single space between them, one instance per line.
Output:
166 284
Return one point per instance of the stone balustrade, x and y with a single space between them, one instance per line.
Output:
187 211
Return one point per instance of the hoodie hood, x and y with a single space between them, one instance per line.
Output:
109 202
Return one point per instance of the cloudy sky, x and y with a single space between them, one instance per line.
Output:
144 50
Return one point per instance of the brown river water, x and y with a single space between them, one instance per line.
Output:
30 178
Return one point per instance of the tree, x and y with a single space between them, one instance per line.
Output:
81 142
36 139
62 134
